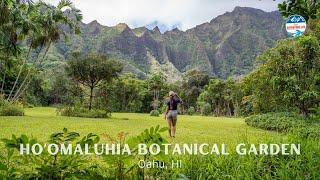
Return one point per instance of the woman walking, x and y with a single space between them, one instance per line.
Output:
172 112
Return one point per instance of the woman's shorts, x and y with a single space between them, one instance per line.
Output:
172 114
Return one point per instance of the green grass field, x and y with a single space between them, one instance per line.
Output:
41 122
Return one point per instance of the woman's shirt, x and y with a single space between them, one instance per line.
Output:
173 103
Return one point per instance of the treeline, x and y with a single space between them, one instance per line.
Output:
287 77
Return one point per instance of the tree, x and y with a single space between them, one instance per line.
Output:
36 24
233 96
224 96
309 9
156 83
91 70
64 90
125 94
293 71
192 86
213 94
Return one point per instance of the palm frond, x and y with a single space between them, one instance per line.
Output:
64 3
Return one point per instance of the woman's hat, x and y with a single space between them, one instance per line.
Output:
171 93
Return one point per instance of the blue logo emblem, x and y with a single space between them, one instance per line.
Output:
296 25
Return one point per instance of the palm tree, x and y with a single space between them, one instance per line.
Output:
306 8
17 28
48 21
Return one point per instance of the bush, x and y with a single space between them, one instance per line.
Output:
281 122
11 110
206 109
286 122
7 109
191 111
163 108
308 131
82 112
315 114
154 113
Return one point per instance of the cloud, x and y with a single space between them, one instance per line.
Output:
187 13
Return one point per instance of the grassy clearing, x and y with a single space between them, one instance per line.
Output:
41 122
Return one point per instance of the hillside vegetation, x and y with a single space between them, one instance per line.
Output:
226 46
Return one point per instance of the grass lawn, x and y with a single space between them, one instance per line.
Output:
41 122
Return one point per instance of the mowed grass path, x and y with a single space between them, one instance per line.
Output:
41 122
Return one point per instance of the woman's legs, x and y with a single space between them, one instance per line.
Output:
173 127
170 120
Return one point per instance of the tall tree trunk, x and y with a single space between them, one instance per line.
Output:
3 82
229 109
25 85
20 71
91 97
4 75
106 101
236 108
3 78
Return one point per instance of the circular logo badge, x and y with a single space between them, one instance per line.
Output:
296 25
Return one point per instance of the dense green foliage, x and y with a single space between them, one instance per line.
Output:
206 109
27 31
8 109
191 87
91 70
11 110
286 122
223 96
305 165
282 122
62 166
154 113
309 9
82 112
288 77
191 111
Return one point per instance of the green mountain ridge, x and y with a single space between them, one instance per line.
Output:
226 46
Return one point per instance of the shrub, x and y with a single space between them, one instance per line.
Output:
206 109
2 101
163 108
282 121
286 122
82 112
11 110
315 114
154 113
191 111
30 106
307 131
95 113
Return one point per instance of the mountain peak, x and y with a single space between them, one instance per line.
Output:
163 27
139 31
226 47
156 30
176 30
95 23
94 27
122 26
239 9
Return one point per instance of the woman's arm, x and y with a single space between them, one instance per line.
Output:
165 115
179 98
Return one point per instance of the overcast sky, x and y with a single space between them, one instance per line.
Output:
137 13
